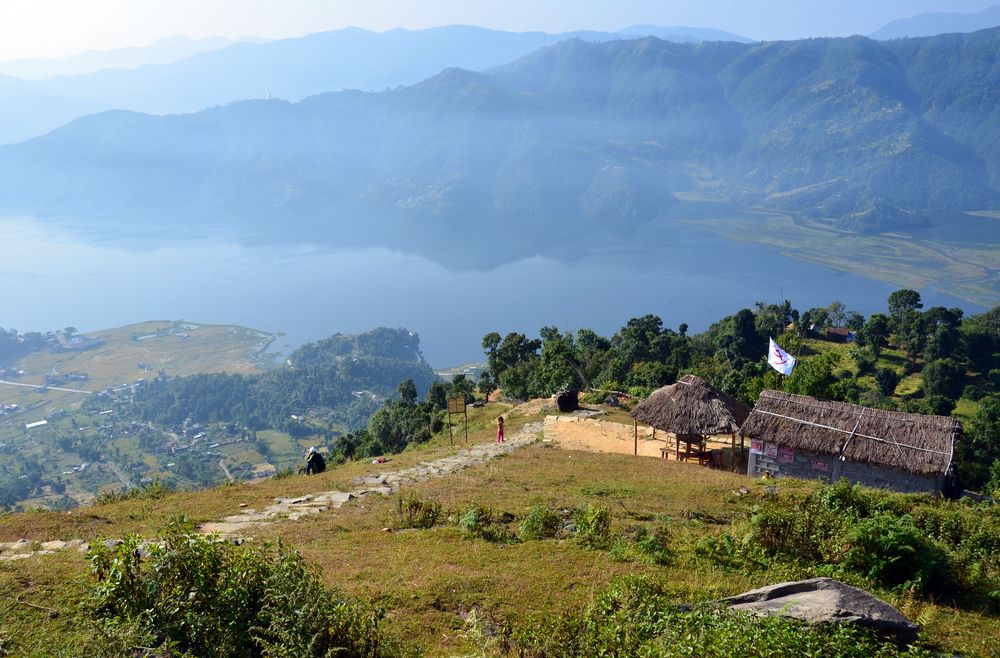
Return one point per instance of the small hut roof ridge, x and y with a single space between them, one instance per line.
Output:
908 442
691 406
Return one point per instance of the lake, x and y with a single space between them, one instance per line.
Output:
53 276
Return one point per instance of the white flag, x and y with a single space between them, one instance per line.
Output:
779 359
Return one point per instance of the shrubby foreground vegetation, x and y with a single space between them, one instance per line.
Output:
544 552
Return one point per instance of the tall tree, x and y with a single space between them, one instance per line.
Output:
901 304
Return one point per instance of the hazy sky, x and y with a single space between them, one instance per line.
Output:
49 28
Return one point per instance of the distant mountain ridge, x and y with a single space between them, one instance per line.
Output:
932 24
290 69
574 138
161 51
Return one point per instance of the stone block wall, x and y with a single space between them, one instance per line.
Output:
784 461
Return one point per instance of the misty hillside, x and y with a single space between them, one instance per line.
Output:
27 111
926 25
575 137
351 58
161 51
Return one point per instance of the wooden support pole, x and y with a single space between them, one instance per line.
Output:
635 436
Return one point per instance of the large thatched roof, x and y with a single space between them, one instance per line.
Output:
691 406
905 442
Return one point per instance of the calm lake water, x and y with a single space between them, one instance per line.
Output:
52 277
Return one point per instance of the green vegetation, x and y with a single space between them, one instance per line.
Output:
652 520
202 597
932 361
879 539
635 616
331 375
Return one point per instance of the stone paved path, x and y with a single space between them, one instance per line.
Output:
385 483
293 509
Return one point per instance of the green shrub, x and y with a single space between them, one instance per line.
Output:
411 512
889 539
152 491
593 527
654 547
484 523
199 595
891 551
541 523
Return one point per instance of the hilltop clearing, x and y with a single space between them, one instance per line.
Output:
509 553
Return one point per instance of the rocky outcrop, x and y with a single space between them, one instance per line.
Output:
826 601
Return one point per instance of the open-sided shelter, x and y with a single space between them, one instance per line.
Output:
809 438
692 409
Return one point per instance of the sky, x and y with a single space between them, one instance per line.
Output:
57 28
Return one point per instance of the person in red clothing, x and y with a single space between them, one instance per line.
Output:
499 429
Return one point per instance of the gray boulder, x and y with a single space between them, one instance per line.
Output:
827 601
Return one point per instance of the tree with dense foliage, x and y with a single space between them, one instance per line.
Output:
875 333
943 377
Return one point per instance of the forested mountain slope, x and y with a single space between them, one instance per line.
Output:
575 137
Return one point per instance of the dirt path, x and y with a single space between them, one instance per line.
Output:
385 483
293 509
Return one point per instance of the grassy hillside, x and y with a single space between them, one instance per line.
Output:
432 581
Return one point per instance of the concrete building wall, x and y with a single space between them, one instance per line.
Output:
784 461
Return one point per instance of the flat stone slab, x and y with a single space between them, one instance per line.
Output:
293 501
225 529
826 601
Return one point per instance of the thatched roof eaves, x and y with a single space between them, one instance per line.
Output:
691 406
913 443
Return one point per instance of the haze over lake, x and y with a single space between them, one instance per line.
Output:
54 276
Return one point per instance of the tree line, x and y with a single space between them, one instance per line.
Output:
957 357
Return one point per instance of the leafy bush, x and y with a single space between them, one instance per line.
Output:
891 551
593 527
152 491
893 540
541 523
411 512
654 547
484 523
211 598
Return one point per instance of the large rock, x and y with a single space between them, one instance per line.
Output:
825 601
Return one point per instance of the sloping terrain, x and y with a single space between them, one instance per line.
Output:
429 579
583 137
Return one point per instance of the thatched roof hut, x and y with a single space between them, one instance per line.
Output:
691 407
911 443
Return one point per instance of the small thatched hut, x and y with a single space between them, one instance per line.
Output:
805 437
691 409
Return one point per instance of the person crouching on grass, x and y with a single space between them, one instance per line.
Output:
314 462
499 429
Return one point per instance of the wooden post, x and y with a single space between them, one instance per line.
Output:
466 424
677 447
451 432
635 436
732 455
